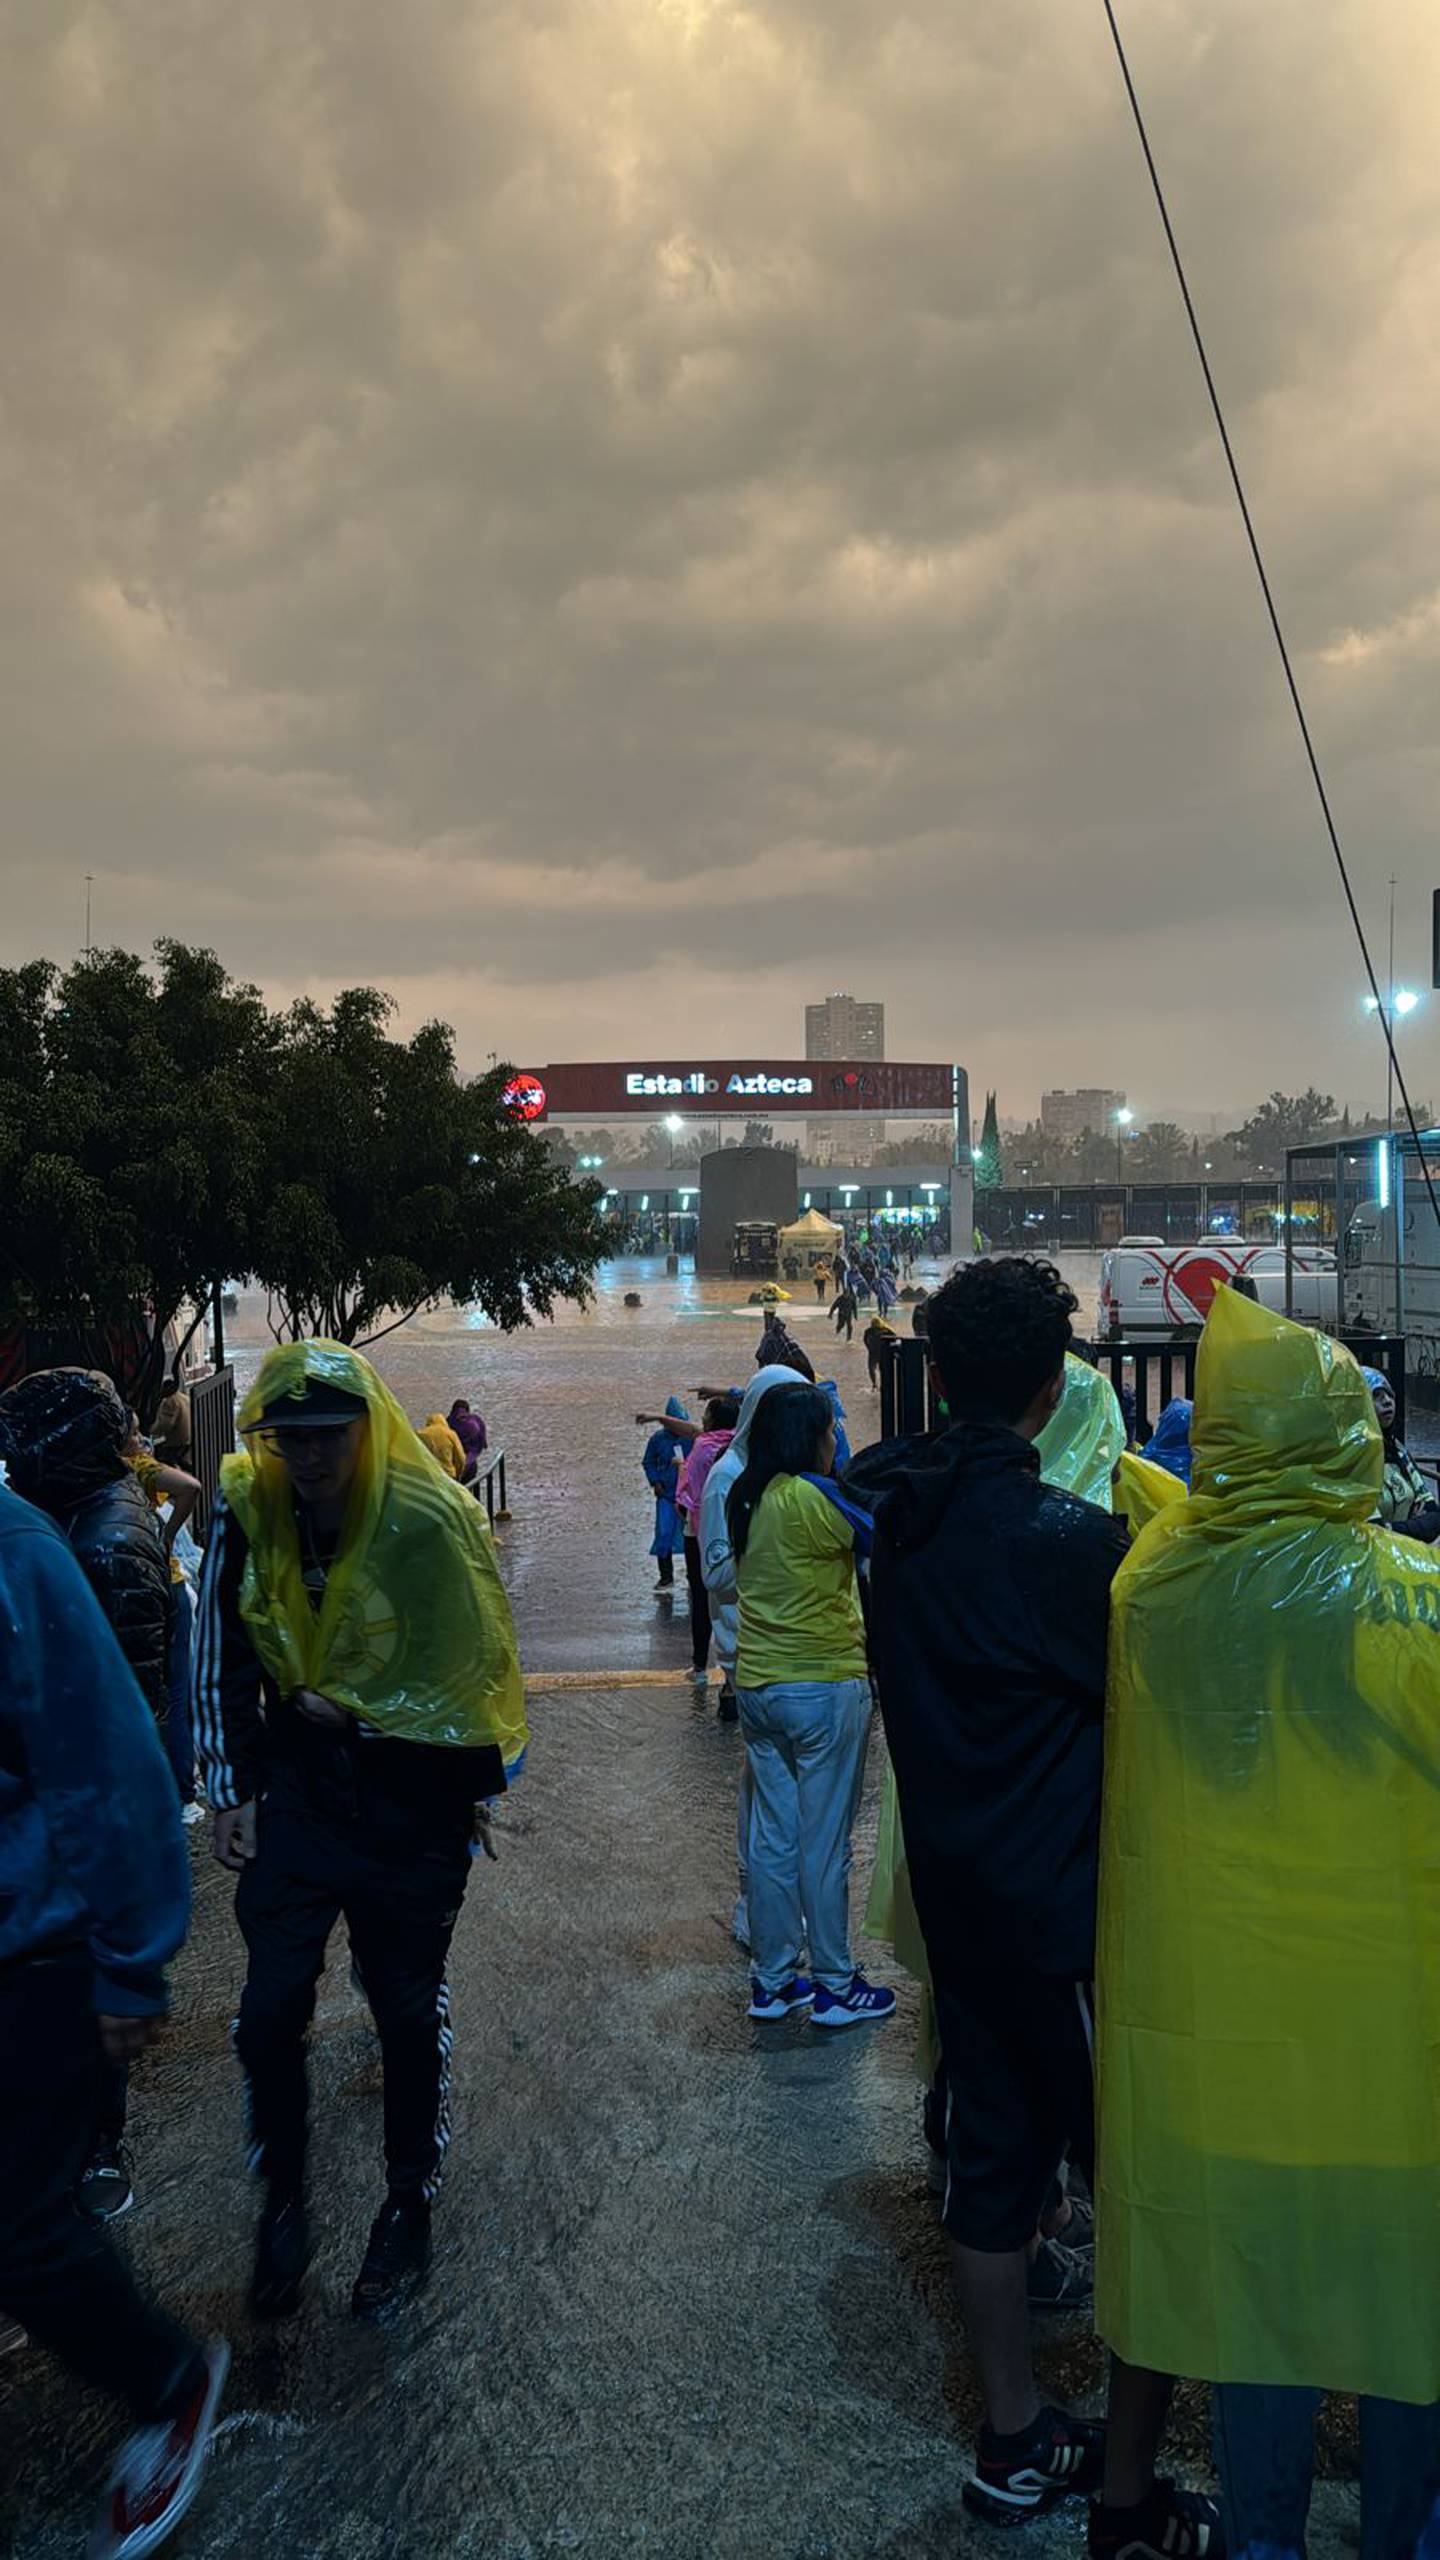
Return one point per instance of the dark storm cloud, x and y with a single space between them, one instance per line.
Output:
583 511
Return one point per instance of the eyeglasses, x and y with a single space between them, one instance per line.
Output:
283 1444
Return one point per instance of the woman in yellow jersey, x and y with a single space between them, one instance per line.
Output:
804 1697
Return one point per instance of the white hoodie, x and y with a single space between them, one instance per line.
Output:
717 1556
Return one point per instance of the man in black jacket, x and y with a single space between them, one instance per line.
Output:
69 1428
990 1611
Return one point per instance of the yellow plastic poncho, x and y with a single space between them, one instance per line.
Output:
1078 1451
1082 1442
1269 1939
414 1634
445 1446
1142 1489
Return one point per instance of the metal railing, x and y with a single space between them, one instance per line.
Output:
212 1437
488 1485
1156 1372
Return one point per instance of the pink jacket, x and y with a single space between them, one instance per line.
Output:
695 1470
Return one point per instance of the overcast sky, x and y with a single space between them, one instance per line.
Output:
611 517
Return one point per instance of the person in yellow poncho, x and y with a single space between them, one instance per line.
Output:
445 1446
1268 1953
357 1695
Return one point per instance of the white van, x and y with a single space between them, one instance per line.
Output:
1163 1292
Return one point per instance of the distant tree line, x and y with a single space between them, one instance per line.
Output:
1163 1152
162 1131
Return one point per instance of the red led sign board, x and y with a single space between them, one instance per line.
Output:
746 1088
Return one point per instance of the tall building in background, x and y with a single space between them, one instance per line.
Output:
851 1028
844 1027
1067 1116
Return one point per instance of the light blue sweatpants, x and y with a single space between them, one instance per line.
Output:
805 1741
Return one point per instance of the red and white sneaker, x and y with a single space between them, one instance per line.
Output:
1061 2458
157 2471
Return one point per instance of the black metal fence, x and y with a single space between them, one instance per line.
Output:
1086 1217
212 1437
1153 1372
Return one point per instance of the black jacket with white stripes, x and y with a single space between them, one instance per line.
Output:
252 1744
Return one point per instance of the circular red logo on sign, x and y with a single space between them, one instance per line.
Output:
525 1097
1194 1280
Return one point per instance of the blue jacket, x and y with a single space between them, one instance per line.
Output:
91 1846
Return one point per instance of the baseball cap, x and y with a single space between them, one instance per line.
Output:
318 1407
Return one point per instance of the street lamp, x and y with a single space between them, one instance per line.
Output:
1123 1121
1392 1009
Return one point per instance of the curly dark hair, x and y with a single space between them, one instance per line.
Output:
998 1331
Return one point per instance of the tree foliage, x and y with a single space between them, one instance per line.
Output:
989 1160
130 1150
162 1131
1285 1120
401 1185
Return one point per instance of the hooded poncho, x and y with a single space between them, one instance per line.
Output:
1269 1941
414 1634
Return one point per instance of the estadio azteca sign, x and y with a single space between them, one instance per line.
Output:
612 1087
639 1083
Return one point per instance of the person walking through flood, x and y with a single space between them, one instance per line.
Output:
469 1429
875 1336
664 1455
1269 1968
444 1444
805 1705
357 1696
845 1309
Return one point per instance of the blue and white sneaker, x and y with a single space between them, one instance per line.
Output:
865 2004
797 1993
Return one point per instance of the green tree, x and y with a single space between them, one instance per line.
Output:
1161 1153
132 1144
989 1162
399 1185
1038 1158
1102 1155
162 1131
1286 1120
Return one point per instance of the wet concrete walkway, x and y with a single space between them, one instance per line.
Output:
689 2297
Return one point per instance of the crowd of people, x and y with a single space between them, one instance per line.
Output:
1159 1818
1156 1840
357 1708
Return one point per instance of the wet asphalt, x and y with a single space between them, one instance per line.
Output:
689 2296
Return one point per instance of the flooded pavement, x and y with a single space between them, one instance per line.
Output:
689 2297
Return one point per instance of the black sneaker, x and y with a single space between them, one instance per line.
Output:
728 1709
397 2260
1171 2524
1062 2457
282 2253
1060 2279
105 2190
